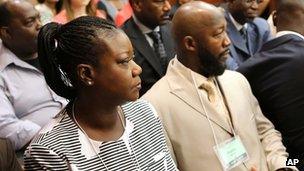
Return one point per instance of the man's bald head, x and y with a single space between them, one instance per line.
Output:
5 10
199 30
191 17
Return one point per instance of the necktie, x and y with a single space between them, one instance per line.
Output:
209 88
159 49
243 32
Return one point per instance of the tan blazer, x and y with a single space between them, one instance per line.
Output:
185 122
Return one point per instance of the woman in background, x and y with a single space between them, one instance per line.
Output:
104 127
48 9
118 11
76 8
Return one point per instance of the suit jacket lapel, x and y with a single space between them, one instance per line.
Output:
184 89
167 40
235 36
141 44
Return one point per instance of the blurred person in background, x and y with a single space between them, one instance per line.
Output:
246 30
26 101
72 9
276 76
118 11
149 30
48 9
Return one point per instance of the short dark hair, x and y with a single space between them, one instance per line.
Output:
62 47
5 14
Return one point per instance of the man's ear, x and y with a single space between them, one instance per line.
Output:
86 74
274 18
4 33
136 5
189 43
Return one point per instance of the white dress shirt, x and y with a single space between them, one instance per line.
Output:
26 101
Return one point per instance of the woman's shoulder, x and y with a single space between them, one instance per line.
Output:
139 110
56 130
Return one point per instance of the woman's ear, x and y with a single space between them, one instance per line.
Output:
86 74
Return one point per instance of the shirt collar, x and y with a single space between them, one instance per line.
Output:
282 33
236 24
7 57
186 72
144 28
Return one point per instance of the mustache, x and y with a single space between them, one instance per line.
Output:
225 51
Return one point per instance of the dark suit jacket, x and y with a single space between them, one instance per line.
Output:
145 55
8 160
276 75
258 33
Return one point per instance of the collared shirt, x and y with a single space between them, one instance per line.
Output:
145 30
26 101
236 24
209 89
282 33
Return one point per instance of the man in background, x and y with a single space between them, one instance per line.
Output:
149 32
26 102
245 29
276 76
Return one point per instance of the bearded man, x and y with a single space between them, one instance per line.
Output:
210 115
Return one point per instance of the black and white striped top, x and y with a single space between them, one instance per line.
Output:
62 146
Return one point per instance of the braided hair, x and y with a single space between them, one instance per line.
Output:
62 47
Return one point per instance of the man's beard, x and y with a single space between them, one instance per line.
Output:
210 66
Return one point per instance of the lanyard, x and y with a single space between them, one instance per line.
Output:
204 108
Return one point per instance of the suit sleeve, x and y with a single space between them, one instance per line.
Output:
270 138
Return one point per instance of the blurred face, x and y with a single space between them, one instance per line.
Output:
23 28
244 10
118 75
213 51
78 3
152 13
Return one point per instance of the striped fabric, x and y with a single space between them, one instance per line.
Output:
62 146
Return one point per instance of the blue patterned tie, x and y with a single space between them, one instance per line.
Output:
159 49
244 33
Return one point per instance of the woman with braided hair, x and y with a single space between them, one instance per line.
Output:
104 127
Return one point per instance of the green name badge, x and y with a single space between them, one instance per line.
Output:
231 153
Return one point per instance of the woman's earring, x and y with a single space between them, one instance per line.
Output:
90 82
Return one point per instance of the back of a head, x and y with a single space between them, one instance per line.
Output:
62 47
289 13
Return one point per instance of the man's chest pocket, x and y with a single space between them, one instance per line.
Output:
159 162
